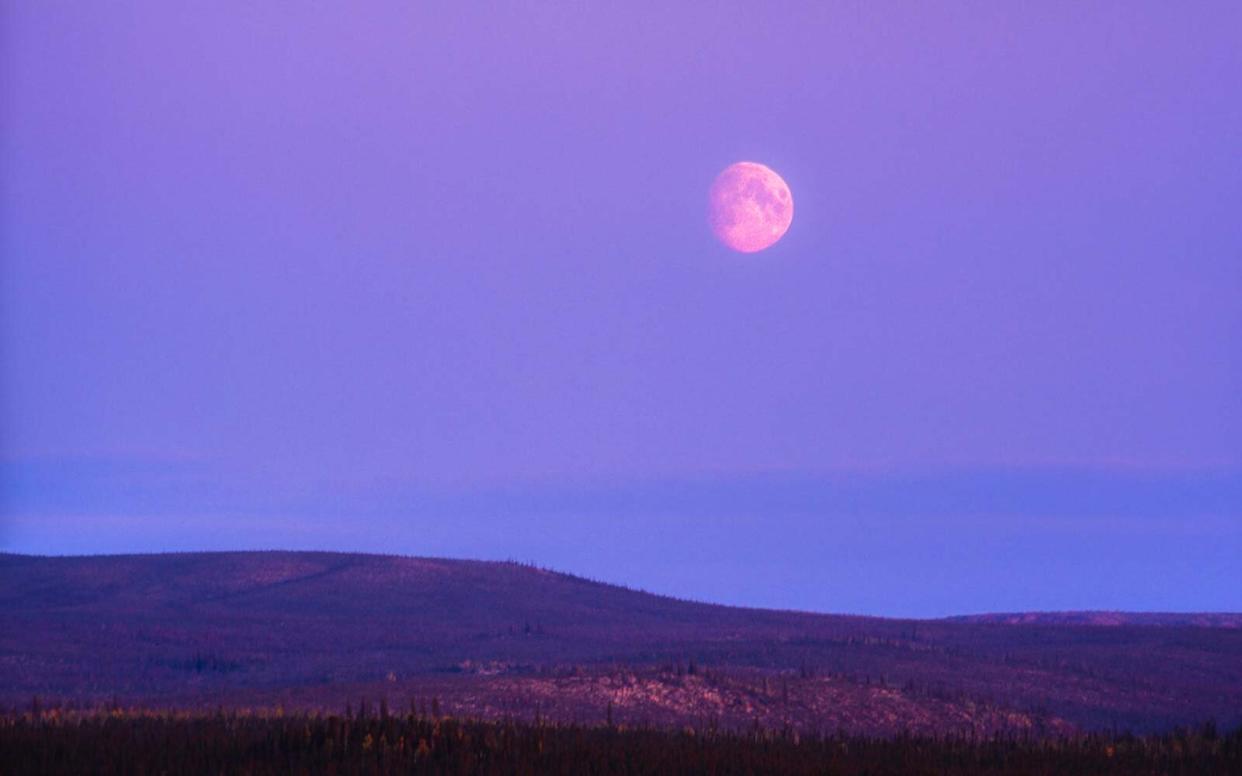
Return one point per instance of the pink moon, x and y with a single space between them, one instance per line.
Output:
749 207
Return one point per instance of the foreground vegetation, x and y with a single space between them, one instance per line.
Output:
119 741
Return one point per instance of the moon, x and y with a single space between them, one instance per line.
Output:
749 207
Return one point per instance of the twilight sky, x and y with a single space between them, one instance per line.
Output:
428 279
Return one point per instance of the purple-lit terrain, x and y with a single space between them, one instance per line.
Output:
319 630
895 348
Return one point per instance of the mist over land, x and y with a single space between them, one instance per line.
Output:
889 543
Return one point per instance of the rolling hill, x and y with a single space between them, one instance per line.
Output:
318 630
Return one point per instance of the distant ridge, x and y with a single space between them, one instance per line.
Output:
317 629
1109 619
1100 617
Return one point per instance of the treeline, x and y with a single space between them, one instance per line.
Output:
117 741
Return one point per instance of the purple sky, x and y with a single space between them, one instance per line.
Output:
434 280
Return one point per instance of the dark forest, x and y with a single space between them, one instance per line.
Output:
382 741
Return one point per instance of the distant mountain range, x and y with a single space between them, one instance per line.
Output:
319 630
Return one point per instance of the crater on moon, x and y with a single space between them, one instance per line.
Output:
750 207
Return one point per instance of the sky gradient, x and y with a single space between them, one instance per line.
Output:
439 280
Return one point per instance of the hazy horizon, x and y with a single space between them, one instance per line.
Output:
888 544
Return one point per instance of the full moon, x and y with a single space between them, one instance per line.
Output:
749 207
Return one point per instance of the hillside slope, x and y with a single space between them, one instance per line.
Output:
316 629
